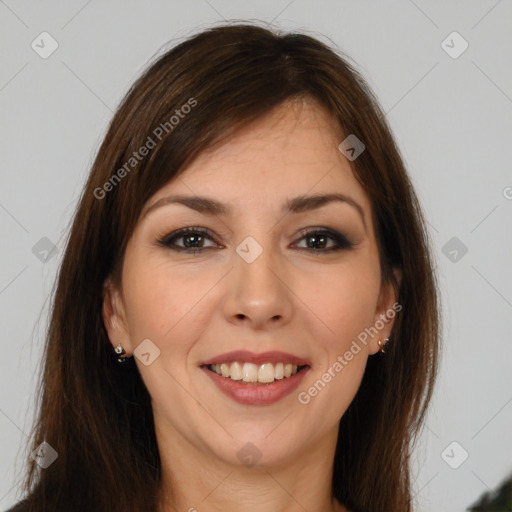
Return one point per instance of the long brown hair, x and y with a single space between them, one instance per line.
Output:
97 414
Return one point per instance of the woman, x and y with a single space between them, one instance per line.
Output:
246 314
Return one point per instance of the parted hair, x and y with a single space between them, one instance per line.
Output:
96 413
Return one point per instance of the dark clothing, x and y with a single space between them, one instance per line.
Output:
21 506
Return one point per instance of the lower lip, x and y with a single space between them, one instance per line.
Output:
261 394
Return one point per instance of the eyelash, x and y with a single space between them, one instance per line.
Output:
167 241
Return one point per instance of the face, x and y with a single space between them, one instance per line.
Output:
258 284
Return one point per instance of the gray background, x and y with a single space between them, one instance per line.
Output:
452 118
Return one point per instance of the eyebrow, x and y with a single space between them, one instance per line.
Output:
298 204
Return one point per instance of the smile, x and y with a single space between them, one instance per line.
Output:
251 378
265 373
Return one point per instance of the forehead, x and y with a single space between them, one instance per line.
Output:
289 152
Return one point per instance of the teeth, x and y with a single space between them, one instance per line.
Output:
250 372
279 371
224 370
266 373
235 372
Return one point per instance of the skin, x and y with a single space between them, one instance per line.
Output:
306 302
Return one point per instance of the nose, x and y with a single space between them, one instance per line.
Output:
258 294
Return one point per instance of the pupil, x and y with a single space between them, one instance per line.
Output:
194 238
317 240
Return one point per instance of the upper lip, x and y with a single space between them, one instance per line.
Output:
246 356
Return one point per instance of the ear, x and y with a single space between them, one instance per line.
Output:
114 316
387 309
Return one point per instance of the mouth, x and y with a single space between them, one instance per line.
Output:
256 379
253 374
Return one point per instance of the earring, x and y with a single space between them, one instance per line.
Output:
381 345
120 351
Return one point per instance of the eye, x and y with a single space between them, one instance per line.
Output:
193 240
318 239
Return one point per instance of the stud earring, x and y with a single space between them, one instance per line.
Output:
381 345
120 351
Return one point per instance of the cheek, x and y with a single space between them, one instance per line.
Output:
161 299
343 299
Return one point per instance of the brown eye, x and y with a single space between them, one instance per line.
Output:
318 240
193 240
